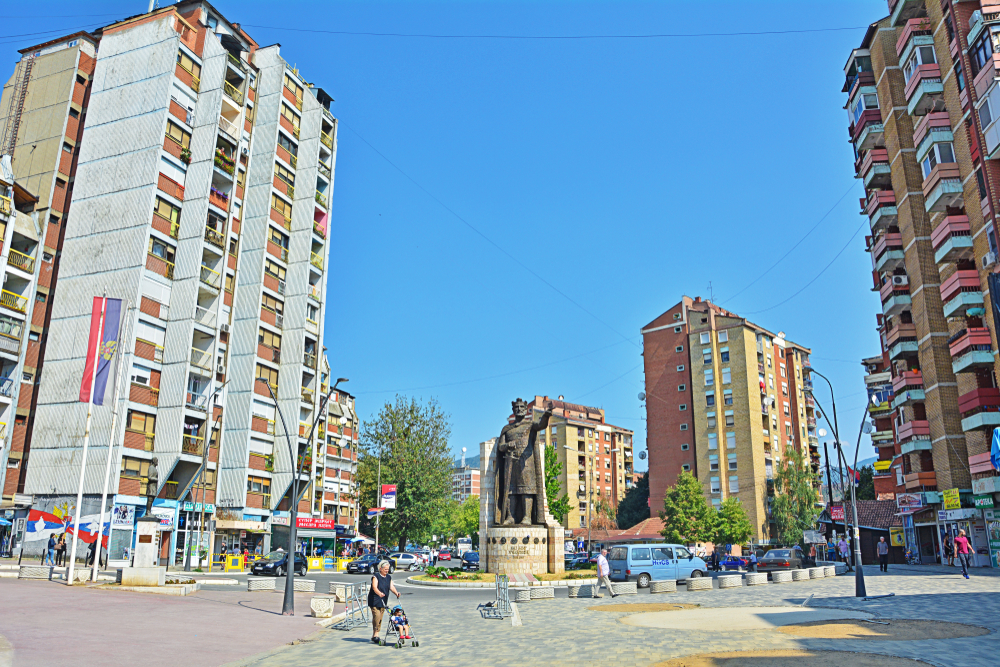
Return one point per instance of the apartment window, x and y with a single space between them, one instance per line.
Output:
684 427
727 376
139 421
234 247
713 441
784 388
40 297
679 348
707 356
724 356
863 103
732 461
290 116
134 468
53 219
783 371
167 211
941 152
959 76
13 463
713 463
677 316
73 113
709 399
161 250
175 132
788 430
922 55
140 375
982 184
230 279
727 397
680 369
677 329
258 485
714 485
685 447
681 387
686 468
269 339
683 407
706 338
281 206
67 148
770 380
33 336
787 411
709 377
277 238
295 88
287 144
274 269
286 175
268 374
187 63
723 336
711 420
730 420
730 439
27 378
734 484
981 52
271 303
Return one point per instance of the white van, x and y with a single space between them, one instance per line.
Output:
643 563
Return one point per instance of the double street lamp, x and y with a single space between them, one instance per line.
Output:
288 604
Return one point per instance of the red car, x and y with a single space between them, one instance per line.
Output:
444 554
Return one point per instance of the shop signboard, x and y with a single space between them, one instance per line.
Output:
983 501
123 516
313 522
389 496
196 507
166 517
896 538
837 512
279 521
909 502
951 499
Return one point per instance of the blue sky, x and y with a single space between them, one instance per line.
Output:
620 173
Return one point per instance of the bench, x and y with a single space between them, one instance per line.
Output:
541 593
624 588
817 572
830 570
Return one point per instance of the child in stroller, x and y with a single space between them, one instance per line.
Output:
399 627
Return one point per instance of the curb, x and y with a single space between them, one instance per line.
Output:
560 583
327 622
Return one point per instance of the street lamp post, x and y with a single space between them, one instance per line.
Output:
201 472
288 604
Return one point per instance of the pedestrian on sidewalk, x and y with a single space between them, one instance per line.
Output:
949 551
753 560
49 556
812 554
883 554
845 552
61 550
964 552
378 593
603 570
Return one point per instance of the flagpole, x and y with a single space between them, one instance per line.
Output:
86 442
111 438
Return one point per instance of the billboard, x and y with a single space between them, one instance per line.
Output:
389 496
909 501
951 499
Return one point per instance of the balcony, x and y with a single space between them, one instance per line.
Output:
971 349
201 359
197 402
869 132
918 428
943 187
14 302
952 239
234 93
321 200
887 251
224 162
924 89
901 11
218 198
875 170
326 139
192 444
21 261
895 298
316 260
211 277
908 388
880 207
918 480
308 396
980 409
961 291
916 32
979 464
6 207
309 359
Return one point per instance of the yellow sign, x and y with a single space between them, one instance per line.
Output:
896 537
882 465
951 499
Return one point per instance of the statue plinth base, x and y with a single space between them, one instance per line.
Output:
517 549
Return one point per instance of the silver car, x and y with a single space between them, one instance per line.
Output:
405 561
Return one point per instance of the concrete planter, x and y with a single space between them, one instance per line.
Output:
817 572
800 575
624 588
731 581
522 595
541 593
669 586
699 584
304 585
756 578
35 572
322 606
266 584
830 570
781 577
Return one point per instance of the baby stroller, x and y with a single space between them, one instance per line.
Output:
394 633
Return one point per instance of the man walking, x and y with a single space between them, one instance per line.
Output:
603 570
845 552
883 554
964 552
753 560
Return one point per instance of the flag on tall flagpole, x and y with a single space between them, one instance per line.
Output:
104 350
854 475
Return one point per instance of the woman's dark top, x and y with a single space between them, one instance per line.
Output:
383 583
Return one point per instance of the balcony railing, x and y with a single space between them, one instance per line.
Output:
197 401
21 261
325 170
204 316
201 358
170 490
308 396
314 292
229 127
159 264
309 359
5 205
215 238
13 301
193 444
211 277
326 139
6 387
234 93
316 260
321 200
149 439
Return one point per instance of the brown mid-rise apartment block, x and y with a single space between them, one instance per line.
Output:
725 401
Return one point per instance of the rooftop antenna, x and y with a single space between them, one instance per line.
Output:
463 457
711 294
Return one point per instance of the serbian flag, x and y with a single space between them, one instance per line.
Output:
88 530
103 344
375 511
854 475
42 524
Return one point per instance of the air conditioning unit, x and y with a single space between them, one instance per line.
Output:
221 369
224 328
900 280
989 259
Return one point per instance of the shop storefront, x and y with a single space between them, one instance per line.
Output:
972 521
239 535
317 538
124 513
189 522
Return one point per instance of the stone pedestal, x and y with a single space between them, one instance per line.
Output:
146 543
517 549
144 576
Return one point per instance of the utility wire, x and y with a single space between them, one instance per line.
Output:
607 383
559 37
488 239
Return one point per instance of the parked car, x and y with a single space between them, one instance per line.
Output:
470 560
444 554
734 563
367 563
404 561
782 559
275 564
576 561
643 563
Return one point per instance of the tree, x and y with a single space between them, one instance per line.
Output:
410 439
558 505
732 525
467 519
686 516
793 507
634 507
604 516
866 487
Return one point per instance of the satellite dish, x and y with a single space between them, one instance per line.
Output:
822 432
642 455
642 396
463 450
867 428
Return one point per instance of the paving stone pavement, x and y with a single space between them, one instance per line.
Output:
564 631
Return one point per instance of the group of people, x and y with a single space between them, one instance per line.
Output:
55 551
959 547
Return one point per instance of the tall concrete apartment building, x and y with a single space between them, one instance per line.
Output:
596 457
724 401
923 99
465 477
200 167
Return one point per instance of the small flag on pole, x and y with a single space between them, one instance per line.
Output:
104 349
375 511
854 475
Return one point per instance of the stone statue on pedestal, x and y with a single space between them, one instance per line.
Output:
520 481
152 484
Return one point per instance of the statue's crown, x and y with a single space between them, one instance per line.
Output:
519 401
